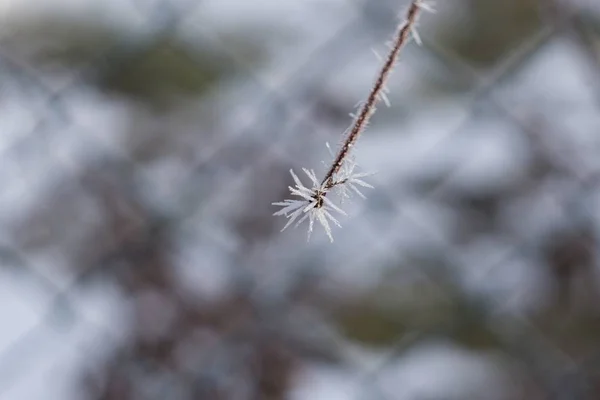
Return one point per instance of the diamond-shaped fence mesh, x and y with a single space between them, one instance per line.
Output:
143 142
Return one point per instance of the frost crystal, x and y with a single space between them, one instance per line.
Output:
426 6
313 206
346 179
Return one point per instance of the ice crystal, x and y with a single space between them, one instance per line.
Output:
346 180
314 205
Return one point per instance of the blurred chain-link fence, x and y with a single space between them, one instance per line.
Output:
143 142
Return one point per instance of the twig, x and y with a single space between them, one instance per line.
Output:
314 205
368 108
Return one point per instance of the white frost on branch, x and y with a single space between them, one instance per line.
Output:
346 180
313 203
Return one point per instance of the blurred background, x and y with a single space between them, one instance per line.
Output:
142 143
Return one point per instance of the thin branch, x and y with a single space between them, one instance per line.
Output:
377 92
313 204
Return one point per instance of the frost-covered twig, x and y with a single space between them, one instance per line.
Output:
314 205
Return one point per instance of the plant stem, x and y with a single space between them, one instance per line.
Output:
368 108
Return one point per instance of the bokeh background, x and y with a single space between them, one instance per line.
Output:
142 142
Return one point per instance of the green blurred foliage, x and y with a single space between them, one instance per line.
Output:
391 312
154 70
490 30
161 72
